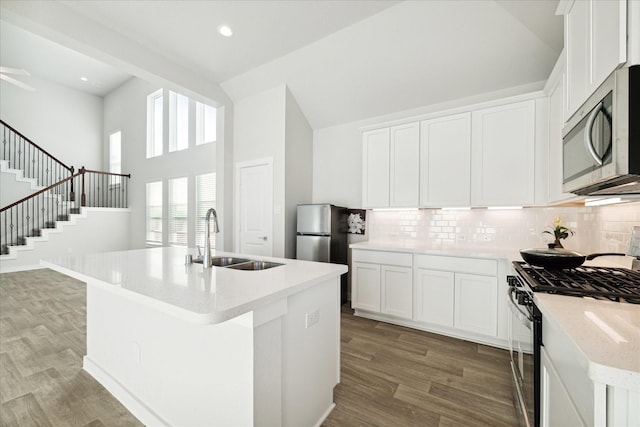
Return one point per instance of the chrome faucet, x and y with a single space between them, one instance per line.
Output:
206 258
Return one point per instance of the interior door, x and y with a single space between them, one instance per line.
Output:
255 208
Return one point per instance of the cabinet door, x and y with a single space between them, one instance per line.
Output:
556 122
375 168
557 408
445 161
608 39
404 165
502 156
397 291
576 27
366 286
433 296
476 303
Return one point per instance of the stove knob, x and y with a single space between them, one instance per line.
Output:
523 298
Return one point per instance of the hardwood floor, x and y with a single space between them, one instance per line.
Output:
390 375
396 376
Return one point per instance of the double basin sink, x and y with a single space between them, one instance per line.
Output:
239 263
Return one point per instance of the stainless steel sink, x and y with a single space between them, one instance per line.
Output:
255 265
222 261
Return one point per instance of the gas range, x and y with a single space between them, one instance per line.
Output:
605 283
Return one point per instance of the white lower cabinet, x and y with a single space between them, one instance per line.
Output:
382 282
463 301
397 291
434 295
476 303
557 408
366 286
454 296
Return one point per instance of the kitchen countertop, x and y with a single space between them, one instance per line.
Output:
415 246
606 332
159 277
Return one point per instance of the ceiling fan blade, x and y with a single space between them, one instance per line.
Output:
18 71
16 82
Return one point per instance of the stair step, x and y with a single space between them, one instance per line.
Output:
75 211
63 217
36 232
4 250
50 224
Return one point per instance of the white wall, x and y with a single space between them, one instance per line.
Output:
125 109
271 124
299 169
65 122
259 132
13 189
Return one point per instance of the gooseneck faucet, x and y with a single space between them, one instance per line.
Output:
206 258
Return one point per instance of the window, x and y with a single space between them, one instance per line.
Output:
205 199
154 124
179 122
115 156
178 211
205 123
154 213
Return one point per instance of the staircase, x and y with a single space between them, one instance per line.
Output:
34 217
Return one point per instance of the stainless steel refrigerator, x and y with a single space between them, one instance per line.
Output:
322 236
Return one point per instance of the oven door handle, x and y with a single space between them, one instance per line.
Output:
527 315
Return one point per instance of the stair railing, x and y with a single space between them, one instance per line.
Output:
29 216
35 162
103 189
40 210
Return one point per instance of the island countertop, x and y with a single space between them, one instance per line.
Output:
159 277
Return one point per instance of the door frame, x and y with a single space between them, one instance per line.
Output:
267 161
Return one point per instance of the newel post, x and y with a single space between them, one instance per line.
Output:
72 195
83 196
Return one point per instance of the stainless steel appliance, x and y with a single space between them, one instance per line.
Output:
525 327
322 236
601 142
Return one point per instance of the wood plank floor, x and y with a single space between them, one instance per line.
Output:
396 376
391 376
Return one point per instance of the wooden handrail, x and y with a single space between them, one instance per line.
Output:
69 168
39 192
82 170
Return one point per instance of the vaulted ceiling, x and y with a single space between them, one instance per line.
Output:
342 60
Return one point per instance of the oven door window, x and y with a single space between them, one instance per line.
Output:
589 144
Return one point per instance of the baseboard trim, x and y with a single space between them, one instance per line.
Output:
325 415
137 408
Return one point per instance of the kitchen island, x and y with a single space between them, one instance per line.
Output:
181 345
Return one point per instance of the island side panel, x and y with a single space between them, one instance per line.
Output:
183 373
311 354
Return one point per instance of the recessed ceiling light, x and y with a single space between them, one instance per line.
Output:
84 79
225 30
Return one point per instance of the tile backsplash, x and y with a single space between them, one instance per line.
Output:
597 229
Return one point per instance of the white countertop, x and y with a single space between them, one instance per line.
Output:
421 247
160 278
606 332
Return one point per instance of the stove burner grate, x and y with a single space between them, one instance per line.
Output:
616 284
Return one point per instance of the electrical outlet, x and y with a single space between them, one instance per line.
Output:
312 318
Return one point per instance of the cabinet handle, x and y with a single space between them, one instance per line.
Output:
263 238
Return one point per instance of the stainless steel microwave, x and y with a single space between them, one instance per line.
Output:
601 141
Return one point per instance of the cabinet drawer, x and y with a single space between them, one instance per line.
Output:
487 267
379 257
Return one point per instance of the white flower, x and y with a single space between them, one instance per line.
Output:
356 224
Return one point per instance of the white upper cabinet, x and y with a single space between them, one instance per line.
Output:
375 168
502 153
445 161
595 44
404 165
390 167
